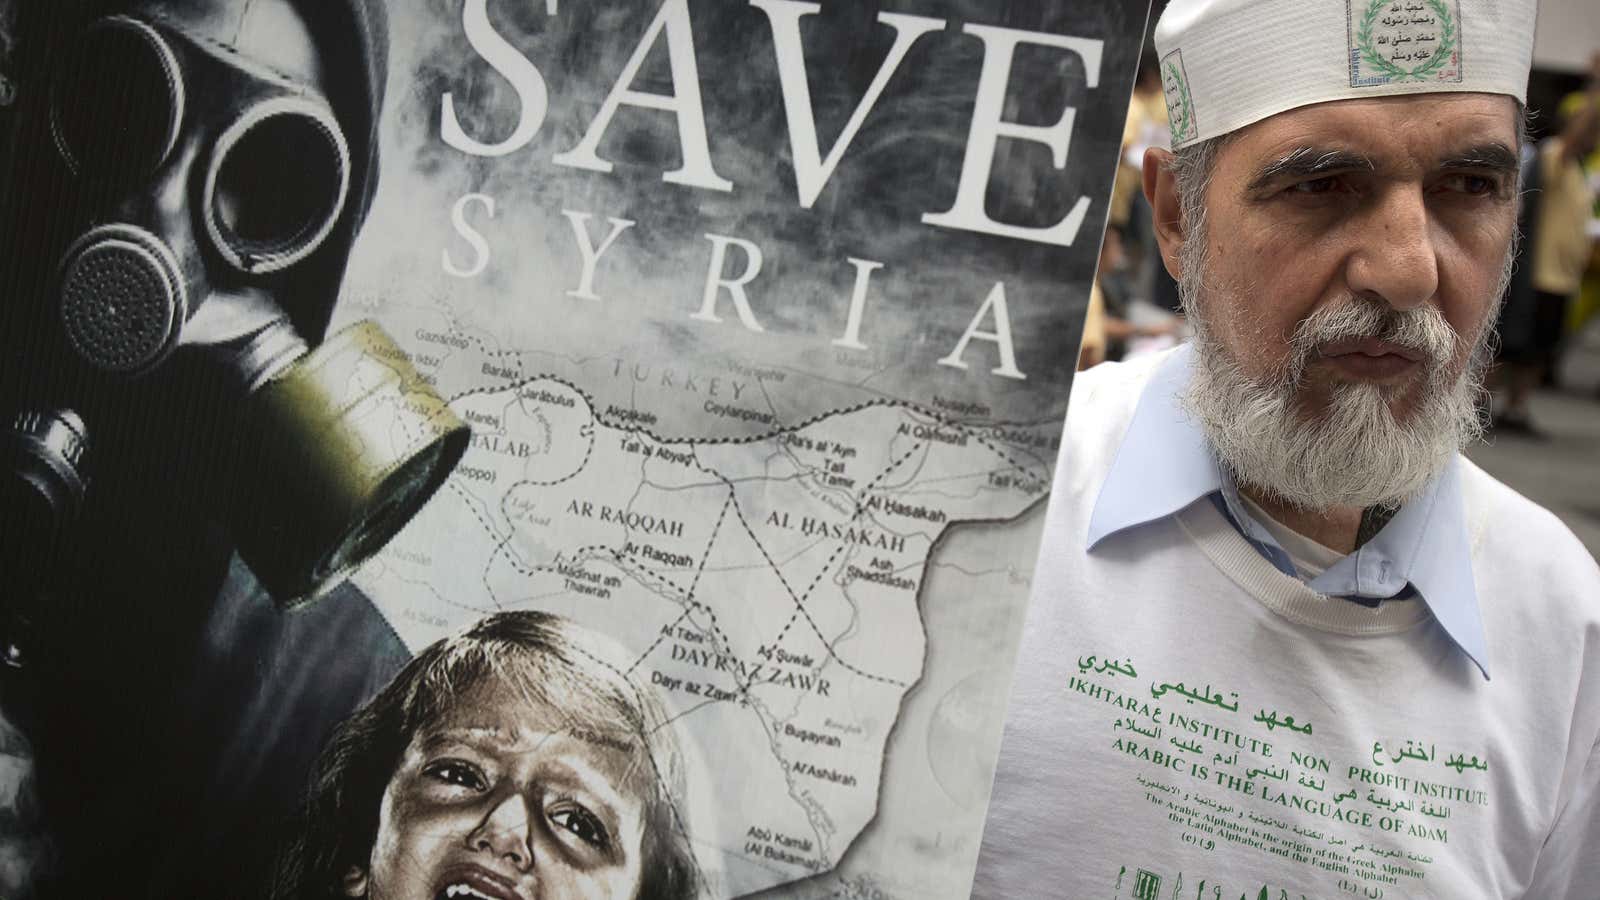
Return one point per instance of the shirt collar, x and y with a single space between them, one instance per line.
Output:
1165 463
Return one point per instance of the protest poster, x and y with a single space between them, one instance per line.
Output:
726 344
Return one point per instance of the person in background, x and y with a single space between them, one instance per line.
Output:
1561 206
1146 126
1110 326
1587 302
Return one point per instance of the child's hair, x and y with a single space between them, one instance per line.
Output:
550 662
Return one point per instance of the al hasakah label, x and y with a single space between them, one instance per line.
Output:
762 315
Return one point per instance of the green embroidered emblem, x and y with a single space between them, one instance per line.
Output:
1180 106
1384 66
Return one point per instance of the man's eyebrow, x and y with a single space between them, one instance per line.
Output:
1310 162
1493 156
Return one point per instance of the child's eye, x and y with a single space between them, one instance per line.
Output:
457 772
583 824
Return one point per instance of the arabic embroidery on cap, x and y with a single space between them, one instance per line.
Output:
1403 41
1180 106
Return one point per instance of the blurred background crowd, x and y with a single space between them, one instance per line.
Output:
1543 408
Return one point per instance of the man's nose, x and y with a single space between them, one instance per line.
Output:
1395 260
506 831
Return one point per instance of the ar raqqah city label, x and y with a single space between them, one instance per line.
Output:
671 29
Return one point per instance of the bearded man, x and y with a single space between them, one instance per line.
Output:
1272 594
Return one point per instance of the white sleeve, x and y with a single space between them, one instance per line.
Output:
1568 867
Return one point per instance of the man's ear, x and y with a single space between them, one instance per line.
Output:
355 882
1161 189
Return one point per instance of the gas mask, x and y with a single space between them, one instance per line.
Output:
213 179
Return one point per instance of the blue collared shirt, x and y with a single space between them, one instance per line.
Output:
1165 464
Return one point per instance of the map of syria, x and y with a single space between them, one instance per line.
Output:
767 585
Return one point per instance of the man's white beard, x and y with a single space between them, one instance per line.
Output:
1354 452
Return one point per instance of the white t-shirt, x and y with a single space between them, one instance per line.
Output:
1309 557
1189 723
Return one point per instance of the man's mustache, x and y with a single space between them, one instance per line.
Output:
1421 330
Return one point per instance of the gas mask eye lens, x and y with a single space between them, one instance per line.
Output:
277 184
116 101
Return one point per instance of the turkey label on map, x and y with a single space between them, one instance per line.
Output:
762 314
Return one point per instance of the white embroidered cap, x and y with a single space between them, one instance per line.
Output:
1228 63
